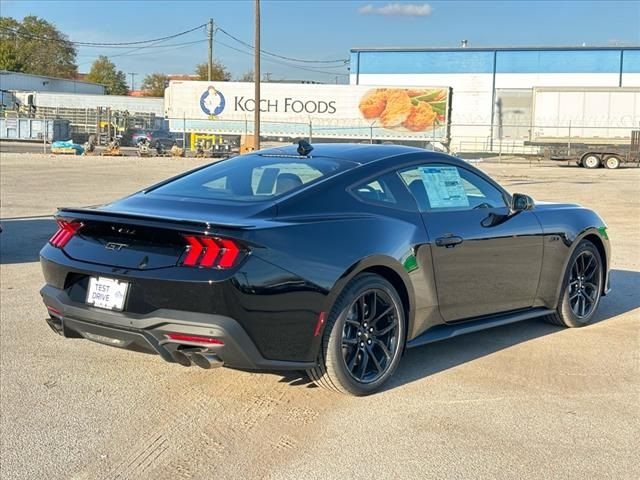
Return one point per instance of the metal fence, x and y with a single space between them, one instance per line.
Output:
507 139
564 138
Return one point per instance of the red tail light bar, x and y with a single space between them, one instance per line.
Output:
182 337
66 230
211 252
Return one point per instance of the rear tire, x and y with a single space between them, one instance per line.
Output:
612 162
363 339
591 161
581 288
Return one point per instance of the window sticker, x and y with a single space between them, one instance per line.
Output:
444 187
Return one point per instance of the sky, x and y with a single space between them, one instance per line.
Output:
320 31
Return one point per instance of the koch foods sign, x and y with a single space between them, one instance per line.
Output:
339 111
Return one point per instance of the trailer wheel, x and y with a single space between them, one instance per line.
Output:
591 160
612 162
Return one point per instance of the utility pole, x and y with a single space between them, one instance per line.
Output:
210 34
256 78
132 77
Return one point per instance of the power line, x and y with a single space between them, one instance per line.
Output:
154 46
130 53
300 60
270 60
99 44
171 46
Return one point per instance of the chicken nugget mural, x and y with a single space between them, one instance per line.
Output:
405 109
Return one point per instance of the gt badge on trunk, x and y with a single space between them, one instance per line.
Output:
115 246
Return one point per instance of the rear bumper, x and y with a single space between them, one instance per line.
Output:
146 333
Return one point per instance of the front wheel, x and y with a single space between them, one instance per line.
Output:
581 289
363 338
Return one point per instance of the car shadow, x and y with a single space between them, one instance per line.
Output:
23 237
421 362
424 361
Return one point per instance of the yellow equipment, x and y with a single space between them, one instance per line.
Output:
112 149
247 144
176 151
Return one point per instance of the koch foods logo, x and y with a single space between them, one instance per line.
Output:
212 102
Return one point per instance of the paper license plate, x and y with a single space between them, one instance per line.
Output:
107 293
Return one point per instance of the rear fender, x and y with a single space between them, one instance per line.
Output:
375 262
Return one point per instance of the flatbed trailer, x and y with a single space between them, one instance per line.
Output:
593 154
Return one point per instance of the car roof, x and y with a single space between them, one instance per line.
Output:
355 152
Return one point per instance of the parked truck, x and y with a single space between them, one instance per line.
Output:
595 127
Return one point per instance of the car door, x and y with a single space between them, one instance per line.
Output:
485 259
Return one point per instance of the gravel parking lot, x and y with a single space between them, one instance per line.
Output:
524 400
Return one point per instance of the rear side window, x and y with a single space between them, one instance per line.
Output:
252 178
377 191
386 190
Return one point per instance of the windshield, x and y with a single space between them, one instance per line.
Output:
252 178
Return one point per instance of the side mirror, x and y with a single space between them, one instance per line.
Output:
521 202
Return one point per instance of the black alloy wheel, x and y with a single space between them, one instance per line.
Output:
582 287
363 338
584 284
370 335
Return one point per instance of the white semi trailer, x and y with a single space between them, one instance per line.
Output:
595 127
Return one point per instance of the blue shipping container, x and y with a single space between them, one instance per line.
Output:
34 129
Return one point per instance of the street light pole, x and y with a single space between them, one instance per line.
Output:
256 78
133 74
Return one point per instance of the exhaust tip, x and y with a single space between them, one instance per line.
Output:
206 360
179 357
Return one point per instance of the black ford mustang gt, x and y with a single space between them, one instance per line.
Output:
331 260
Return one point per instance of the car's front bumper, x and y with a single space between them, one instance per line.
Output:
147 333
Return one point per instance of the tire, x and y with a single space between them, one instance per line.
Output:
583 278
353 331
591 161
612 162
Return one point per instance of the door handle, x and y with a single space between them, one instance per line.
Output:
448 241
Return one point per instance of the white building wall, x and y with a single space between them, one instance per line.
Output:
530 80
631 79
115 102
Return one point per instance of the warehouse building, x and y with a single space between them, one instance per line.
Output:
492 88
14 81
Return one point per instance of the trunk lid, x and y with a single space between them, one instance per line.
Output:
140 232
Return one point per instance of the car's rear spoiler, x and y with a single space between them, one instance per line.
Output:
153 221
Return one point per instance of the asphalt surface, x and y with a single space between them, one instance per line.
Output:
528 400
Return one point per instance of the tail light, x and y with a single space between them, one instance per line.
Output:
181 337
211 252
66 230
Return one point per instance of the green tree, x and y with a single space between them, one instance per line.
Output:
36 46
246 77
219 72
104 71
9 58
153 84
